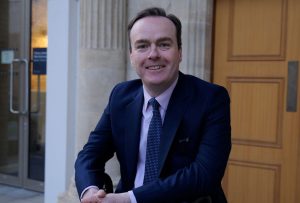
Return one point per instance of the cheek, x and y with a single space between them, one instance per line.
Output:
135 64
137 61
178 60
131 59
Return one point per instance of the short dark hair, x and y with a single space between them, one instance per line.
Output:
155 11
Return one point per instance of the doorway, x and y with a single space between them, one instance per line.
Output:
256 57
23 45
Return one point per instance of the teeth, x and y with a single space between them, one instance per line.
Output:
154 67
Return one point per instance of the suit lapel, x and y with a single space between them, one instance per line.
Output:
132 133
133 110
174 114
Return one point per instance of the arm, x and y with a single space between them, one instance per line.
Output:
90 163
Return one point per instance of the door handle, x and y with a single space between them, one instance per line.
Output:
11 87
292 86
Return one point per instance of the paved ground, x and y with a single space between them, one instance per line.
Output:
19 195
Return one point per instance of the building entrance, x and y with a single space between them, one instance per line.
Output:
23 45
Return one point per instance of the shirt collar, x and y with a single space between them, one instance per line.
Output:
163 99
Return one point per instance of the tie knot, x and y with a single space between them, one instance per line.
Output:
154 103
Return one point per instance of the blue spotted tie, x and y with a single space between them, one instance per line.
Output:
153 140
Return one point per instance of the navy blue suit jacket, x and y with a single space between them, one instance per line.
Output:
194 149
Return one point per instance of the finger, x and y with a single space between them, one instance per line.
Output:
101 194
92 199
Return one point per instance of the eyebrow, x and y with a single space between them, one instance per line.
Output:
164 39
158 40
141 41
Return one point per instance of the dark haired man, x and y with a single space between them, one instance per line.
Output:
170 131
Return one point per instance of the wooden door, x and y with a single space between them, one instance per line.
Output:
256 56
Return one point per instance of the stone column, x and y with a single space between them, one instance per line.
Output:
197 19
102 64
102 58
198 39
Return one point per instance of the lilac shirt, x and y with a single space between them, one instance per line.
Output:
163 99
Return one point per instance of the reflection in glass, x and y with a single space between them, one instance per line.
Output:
39 38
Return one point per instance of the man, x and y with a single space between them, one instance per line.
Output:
191 127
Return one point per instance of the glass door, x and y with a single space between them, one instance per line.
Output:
22 96
14 48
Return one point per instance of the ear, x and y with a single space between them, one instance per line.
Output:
130 57
180 55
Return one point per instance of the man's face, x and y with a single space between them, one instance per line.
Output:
155 54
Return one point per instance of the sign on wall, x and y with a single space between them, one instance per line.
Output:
39 61
7 56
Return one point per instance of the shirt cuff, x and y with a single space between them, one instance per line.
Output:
132 197
86 189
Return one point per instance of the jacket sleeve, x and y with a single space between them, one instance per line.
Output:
90 162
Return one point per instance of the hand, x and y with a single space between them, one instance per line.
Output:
116 198
93 195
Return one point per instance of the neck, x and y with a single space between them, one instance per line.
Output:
155 92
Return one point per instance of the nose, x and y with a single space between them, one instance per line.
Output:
154 53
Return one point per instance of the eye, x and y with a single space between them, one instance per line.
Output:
141 47
164 45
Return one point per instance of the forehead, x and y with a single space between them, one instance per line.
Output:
153 27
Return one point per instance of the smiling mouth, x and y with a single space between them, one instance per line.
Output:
155 67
